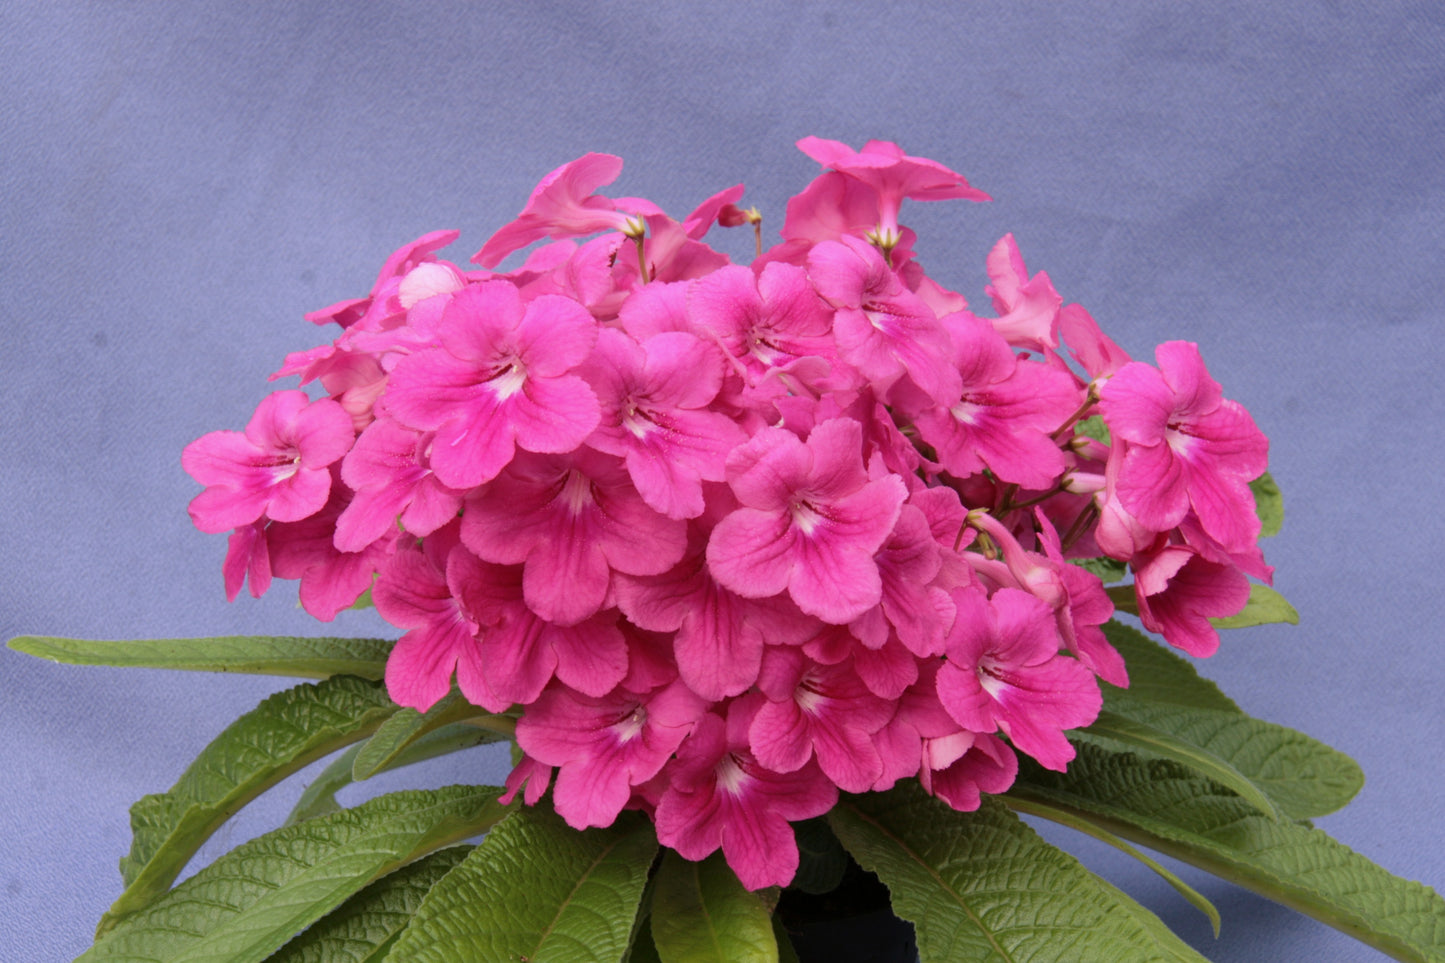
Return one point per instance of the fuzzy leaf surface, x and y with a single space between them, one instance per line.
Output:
1268 504
1302 776
251 901
408 725
983 886
1173 810
286 732
299 657
362 929
536 889
702 914
1265 607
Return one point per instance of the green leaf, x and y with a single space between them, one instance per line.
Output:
786 953
702 914
1302 776
1265 606
984 886
1157 673
1108 569
1093 427
286 732
1163 744
536 889
300 657
320 796
1268 504
248 903
408 725
1033 808
1173 810
363 929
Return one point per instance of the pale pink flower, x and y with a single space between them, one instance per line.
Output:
1028 307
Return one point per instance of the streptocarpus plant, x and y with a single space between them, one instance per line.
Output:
735 553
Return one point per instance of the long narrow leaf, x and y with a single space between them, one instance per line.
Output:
320 796
702 914
363 929
286 732
248 903
1112 727
299 657
408 725
536 889
1173 810
984 886
1196 899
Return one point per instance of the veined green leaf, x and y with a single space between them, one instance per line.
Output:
1031 807
1158 673
248 903
984 886
1268 504
1302 776
300 657
1163 744
536 889
363 929
702 914
286 732
1265 607
1173 810
408 725
319 797
1108 569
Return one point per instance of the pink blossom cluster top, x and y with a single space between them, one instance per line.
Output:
728 539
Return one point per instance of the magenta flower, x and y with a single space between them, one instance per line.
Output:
718 795
1182 445
1004 672
654 399
719 635
500 380
1003 417
563 205
277 467
1028 307
811 522
882 328
570 520
817 711
1179 591
381 302
387 469
894 175
604 746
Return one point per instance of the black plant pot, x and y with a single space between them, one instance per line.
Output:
853 922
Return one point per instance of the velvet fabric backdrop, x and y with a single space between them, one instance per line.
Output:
182 181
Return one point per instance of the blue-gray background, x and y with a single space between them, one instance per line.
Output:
179 182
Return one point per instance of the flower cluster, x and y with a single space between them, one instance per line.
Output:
729 539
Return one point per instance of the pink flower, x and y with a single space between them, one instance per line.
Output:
570 521
500 380
1028 308
811 522
1004 672
718 795
894 175
1182 445
882 328
604 746
277 467
380 302
387 469
563 205
1179 591
1002 418
654 399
